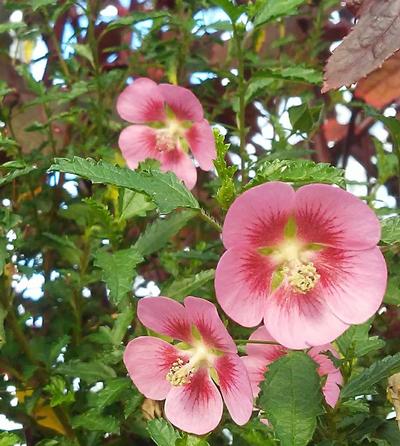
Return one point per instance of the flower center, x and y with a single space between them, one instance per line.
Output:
167 138
181 373
302 277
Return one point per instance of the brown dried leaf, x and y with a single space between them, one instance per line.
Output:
382 86
373 39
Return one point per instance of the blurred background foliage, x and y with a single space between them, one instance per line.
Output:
74 256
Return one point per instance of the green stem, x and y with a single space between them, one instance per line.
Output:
210 220
241 117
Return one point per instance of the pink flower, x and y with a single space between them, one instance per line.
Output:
261 355
168 120
185 373
305 262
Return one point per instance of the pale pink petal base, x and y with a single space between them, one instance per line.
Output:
196 407
148 360
242 282
235 387
256 367
202 144
300 321
180 163
165 316
204 316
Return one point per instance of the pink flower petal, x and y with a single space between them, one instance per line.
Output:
148 360
329 215
179 162
326 367
235 387
196 407
256 368
202 144
204 316
138 142
257 217
182 102
242 283
165 316
268 352
141 102
299 321
353 283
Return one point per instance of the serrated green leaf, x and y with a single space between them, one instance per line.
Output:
132 403
181 288
227 190
9 439
272 10
191 440
11 26
390 230
165 189
162 433
85 52
89 372
92 420
355 342
298 172
36 4
113 391
15 174
304 118
134 205
121 324
118 270
59 394
232 10
136 17
159 233
291 396
364 383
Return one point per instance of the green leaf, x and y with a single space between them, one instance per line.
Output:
92 420
118 270
165 189
9 439
115 390
132 403
85 52
3 314
58 392
121 324
304 118
272 10
134 205
161 432
191 440
15 174
11 26
291 396
227 189
136 17
355 342
90 372
364 383
298 172
232 10
181 288
36 4
159 233
3 254
390 230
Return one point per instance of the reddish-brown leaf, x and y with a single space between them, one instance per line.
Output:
382 86
373 39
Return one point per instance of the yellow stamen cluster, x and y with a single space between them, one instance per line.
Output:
180 373
302 277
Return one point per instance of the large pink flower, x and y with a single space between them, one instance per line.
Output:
305 261
168 120
185 374
261 355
